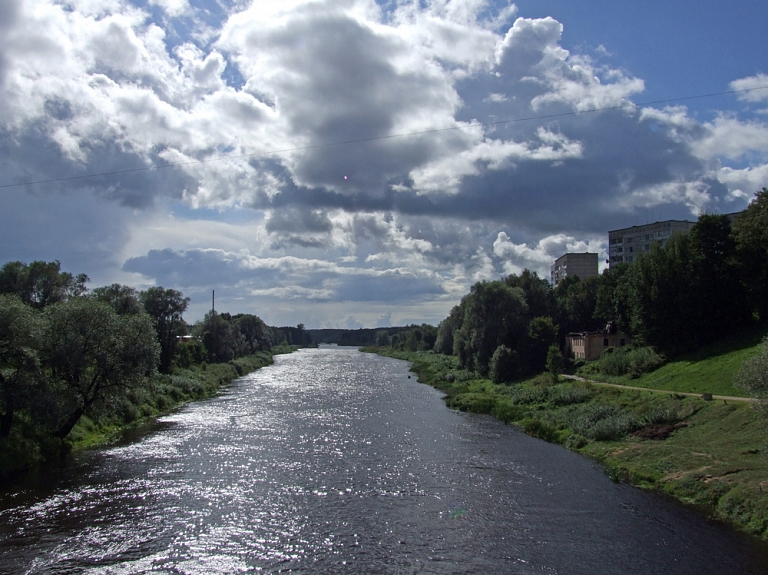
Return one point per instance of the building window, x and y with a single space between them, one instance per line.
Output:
622 342
605 342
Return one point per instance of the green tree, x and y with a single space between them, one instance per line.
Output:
20 330
40 283
538 293
576 303
165 307
94 356
123 299
445 331
555 362
664 309
505 365
220 338
612 302
542 333
494 314
721 299
750 230
254 333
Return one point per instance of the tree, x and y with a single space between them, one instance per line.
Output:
166 307
254 333
494 314
505 365
721 298
576 302
92 355
446 330
554 362
20 328
538 293
123 299
662 294
220 339
40 283
750 230
542 333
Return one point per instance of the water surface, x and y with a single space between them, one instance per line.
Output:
331 462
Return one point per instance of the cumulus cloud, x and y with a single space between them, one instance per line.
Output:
539 257
341 150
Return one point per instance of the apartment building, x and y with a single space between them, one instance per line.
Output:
583 265
626 244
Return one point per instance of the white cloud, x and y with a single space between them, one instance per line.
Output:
444 169
756 88
540 256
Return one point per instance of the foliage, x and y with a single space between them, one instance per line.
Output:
752 377
166 307
505 365
93 355
626 361
123 299
76 365
750 231
40 283
554 362
576 303
20 374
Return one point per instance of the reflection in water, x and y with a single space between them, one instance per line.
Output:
332 461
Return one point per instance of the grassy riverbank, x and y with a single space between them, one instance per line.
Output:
707 370
28 448
167 392
705 453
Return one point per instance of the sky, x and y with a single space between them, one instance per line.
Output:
353 163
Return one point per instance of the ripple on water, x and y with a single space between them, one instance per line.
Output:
332 461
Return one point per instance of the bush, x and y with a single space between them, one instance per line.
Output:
507 412
570 396
628 361
505 365
554 362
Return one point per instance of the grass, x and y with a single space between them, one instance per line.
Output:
29 446
708 370
711 454
166 393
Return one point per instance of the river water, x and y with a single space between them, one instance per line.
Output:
333 461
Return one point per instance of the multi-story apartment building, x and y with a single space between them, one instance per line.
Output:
583 265
626 244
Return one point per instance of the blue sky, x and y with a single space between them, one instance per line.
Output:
250 99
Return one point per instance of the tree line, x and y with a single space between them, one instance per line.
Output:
67 351
697 288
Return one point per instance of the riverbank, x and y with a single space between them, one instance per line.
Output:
709 454
27 448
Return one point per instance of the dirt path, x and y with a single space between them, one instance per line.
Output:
620 386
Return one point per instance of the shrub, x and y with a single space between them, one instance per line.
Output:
507 412
570 396
623 361
505 365
554 362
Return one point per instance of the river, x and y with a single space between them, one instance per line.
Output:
333 461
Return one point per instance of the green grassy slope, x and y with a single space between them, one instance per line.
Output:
708 370
708 453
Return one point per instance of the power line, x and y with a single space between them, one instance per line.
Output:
388 137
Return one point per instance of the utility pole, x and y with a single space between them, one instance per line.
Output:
213 300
